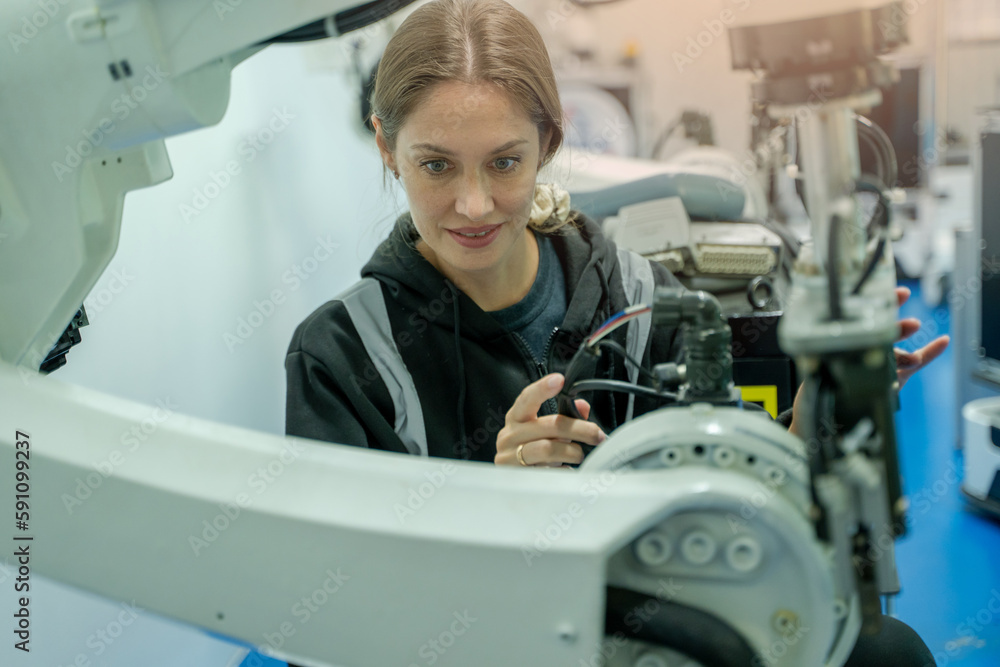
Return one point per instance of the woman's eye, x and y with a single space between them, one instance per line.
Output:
505 163
436 166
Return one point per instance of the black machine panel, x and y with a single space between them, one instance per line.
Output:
990 295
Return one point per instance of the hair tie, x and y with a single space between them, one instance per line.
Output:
550 207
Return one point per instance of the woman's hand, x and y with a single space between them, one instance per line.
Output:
527 439
907 363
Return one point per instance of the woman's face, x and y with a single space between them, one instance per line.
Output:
468 157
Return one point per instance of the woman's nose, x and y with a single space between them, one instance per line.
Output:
474 199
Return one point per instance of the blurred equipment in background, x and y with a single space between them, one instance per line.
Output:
696 125
702 218
975 302
598 118
661 230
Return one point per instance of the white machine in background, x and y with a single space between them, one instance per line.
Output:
721 520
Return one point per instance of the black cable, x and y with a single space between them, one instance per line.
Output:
814 429
344 22
878 139
877 187
582 364
792 244
617 347
697 634
833 269
870 266
356 18
663 138
880 222
618 386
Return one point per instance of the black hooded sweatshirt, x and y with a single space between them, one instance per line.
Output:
348 365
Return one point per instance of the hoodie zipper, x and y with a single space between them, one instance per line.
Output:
552 407
548 344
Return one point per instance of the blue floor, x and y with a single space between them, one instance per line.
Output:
949 563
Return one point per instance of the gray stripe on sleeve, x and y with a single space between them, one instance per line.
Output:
637 280
366 307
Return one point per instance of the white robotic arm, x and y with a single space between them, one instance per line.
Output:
92 88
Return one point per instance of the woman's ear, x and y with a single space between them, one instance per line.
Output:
383 149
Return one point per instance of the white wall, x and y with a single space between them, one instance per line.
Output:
190 275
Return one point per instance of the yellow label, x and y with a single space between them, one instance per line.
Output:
767 395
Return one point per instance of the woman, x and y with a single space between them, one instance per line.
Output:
446 346
472 283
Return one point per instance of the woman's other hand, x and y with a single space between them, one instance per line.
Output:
529 440
907 363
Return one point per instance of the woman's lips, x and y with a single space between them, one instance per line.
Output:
475 237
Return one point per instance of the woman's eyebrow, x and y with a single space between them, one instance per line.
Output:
443 151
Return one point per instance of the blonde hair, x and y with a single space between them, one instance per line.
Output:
470 41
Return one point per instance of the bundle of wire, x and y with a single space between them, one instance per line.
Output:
584 362
616 321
